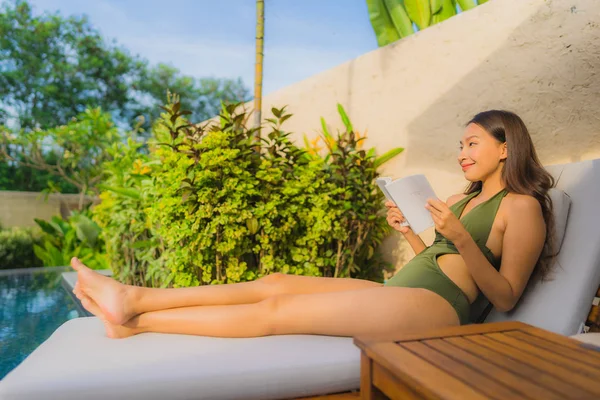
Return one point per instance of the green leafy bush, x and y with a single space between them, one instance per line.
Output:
78 236
134 252
212 204
16 248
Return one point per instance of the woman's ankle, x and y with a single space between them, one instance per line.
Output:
134 300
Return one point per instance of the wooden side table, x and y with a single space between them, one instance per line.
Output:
507 360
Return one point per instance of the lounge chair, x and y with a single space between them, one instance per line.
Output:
78 362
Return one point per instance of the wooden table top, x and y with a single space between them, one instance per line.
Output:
508 360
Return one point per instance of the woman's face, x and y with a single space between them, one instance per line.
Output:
480 153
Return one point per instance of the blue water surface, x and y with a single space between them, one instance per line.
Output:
33 304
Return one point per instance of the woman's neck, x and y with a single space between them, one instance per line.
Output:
492 185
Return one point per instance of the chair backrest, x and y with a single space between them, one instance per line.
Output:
562 303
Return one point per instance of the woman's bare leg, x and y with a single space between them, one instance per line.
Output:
348 313
120 302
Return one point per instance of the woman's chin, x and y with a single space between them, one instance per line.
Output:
470 177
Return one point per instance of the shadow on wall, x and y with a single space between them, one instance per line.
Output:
553 87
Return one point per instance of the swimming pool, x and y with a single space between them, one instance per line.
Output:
33 304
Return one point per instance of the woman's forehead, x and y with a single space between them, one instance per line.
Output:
473 131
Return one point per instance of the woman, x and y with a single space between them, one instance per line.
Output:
489 239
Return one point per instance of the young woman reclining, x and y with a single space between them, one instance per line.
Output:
488 239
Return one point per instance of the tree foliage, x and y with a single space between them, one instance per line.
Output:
53 68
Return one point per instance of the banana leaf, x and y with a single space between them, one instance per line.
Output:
466 4
399 17
448 10
436 6
419 12
382 24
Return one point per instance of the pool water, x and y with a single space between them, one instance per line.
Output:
33 304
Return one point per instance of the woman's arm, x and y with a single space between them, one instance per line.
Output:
415 241
523 241
395 218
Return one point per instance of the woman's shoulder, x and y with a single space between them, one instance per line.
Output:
455 198
522 202
519 209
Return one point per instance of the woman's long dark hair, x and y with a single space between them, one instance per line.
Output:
522 173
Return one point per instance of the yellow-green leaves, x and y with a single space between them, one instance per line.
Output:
399 17
436 6
395 19
419 12
382 23
448 10
252 225
466 4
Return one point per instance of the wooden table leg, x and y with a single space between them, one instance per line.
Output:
367 390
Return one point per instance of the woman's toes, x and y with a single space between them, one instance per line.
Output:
77 265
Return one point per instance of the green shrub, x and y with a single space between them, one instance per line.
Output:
78 236
16 248
133 250
211 204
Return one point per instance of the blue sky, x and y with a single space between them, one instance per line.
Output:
216 38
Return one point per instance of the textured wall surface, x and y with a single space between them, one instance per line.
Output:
20 208
538 58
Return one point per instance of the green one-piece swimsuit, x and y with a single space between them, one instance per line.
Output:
423 270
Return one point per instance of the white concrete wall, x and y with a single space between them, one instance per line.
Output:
539 58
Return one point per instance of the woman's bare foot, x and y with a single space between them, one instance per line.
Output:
118 331
112 331
112 299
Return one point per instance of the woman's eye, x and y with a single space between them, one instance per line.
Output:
471 144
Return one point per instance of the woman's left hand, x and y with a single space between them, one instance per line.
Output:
446 222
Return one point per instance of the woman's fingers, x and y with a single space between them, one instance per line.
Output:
396 213
438 204
434 211
439 223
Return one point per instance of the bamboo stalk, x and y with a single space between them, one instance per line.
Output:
258 66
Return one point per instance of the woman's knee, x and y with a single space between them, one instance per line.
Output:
269 310
274 282
275 277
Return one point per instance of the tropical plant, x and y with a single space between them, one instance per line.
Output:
356 206
396 19
133 250
208 206
78 236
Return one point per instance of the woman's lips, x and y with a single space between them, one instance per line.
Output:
466 166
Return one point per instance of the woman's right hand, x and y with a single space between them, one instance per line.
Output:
395 218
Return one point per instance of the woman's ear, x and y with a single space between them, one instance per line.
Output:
504 152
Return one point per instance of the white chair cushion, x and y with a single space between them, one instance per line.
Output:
79 362
561 202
